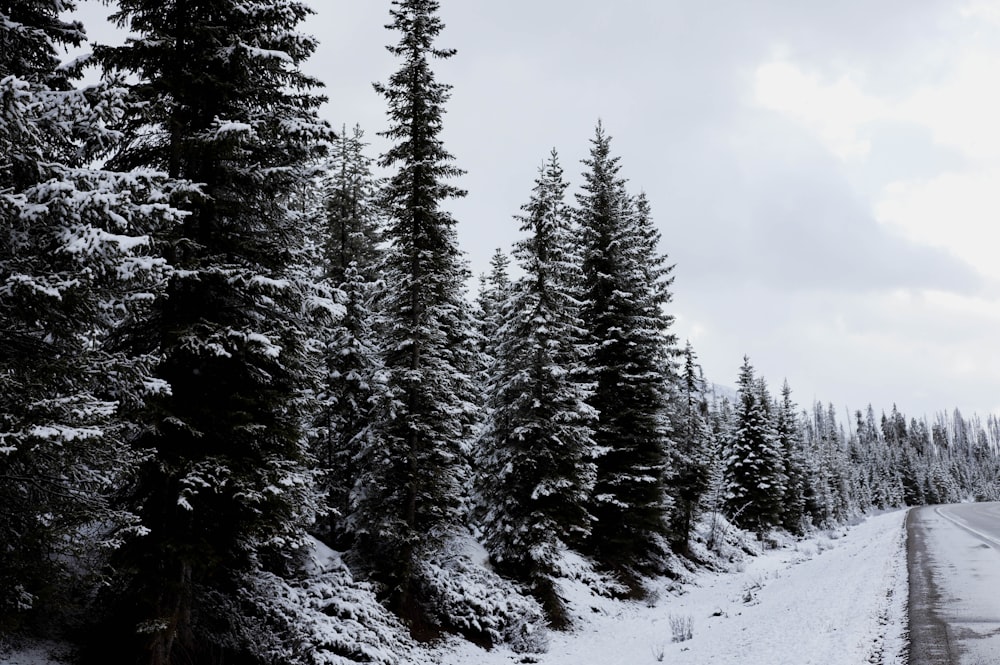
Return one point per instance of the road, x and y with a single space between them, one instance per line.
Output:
953 556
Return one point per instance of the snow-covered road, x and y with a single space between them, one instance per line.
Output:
837 599
955 560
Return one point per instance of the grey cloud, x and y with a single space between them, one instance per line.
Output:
759 218
772 206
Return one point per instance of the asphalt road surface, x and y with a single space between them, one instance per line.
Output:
953 556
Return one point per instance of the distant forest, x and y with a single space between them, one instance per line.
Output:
251 413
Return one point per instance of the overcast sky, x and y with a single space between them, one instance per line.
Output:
826 176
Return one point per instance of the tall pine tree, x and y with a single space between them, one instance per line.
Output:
494 289
538 444
793 504
692 458
73 264
218 99
350 254
352 221
754 469
625 285
416 472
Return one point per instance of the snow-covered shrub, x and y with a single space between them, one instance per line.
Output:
326 618
572 566
681 628
719 542
750 589
806 551
465 595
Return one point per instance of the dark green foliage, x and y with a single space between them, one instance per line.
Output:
494 289
754 465
691 463
218 100
350 228
415 470
538 472
352 224
32 32
793 504
624 286
72 267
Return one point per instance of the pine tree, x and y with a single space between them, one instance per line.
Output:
218 99
722 422
754 465
353 225
691 463
494 289
793 458
415 470
494 292
537 447
625 285
350 253
73 265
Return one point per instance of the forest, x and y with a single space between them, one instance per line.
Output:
251 412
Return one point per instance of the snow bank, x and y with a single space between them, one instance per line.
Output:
838 598
835 599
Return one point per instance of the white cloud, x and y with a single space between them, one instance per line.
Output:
957 211
835 111
961 112
988 10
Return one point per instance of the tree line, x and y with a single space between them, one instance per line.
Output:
248 409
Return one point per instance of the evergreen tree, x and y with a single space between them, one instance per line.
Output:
793 457
350 225
830 471
73 265
722 423
691 462
218 99
538 470
753 465
625 285
415 470
352 220
494 289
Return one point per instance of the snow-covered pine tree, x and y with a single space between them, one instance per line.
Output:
494 289
624 286
353 223
692 456
415 471
754 470
537 446
834 462
217 97
722 421
350 253
73 265
878 471
793 504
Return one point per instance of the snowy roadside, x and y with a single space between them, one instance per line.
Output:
838 598
835 599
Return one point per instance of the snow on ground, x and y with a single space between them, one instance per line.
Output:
43 653
838 598
835 599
